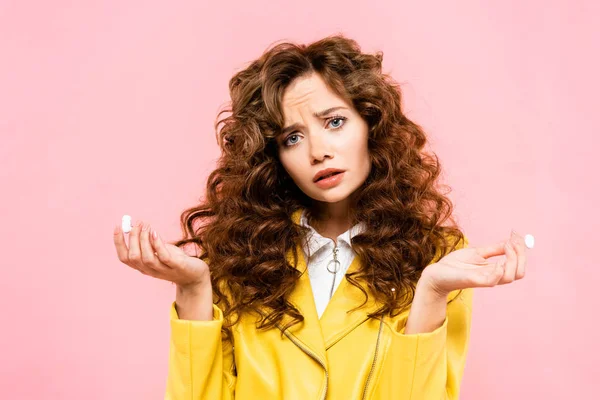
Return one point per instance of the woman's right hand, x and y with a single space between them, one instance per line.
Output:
151 256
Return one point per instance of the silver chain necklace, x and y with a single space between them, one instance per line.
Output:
336 268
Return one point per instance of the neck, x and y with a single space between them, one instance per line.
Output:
331 219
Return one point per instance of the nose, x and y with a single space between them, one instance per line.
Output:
319 148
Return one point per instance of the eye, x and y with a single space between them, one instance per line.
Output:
287 141
337 122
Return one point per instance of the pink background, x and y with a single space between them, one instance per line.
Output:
107 108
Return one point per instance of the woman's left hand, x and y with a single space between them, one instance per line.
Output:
469 267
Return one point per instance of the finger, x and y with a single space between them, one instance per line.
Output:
496 249
487 276
123 251
120 244
151 264
149 259
519 244
163 254
143 262
510 268
135 252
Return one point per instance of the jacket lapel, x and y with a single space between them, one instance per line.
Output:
336 322
307 332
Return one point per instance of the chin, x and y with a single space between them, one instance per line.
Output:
333 195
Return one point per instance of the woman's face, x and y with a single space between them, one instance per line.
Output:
322 131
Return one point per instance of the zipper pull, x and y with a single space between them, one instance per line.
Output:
335 261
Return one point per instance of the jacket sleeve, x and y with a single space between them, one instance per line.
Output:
201 364
433 362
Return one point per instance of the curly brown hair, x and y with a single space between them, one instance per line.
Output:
244 225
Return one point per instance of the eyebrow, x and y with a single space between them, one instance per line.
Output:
319 114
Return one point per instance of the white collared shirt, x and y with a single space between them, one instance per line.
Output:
321 253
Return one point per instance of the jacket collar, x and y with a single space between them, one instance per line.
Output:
336 322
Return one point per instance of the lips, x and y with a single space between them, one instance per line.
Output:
325 173
328 175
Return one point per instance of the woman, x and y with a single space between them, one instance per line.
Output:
330 266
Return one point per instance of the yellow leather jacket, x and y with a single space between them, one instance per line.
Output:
341 356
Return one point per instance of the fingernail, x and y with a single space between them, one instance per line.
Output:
154 235
117 228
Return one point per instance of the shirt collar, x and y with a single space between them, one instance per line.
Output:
314 242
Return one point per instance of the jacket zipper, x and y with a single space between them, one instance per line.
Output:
314 357
308 352
336 264
364 396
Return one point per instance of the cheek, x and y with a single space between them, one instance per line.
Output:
358 149
361 155
290 164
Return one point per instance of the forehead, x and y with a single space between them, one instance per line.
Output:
309 93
